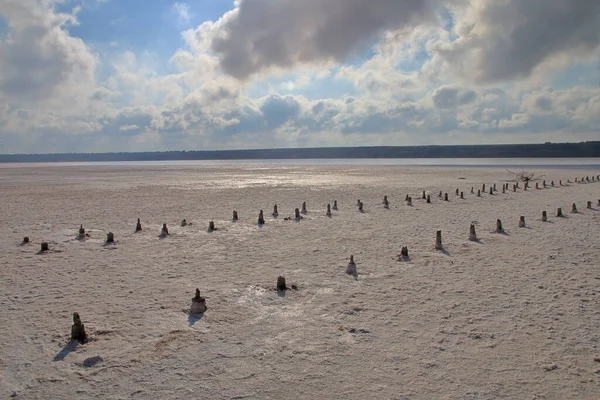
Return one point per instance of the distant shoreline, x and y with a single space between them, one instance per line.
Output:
545 150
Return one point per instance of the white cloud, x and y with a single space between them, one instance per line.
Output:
183 12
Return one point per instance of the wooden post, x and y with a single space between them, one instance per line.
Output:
462 195
445 196
438 241
589 205
483 188
351 268
386 203
522 222
304 210
335 206
211 226
183 222
25 240
81 234
478 193
164 231
406 198
235 216
560 182
457 192
499 228
514 188
261 218
495 190
138 226
360 207
409 202
424 197
78 330
281 286
544 216
110 237
491 190
44 247
537 185
428 199
574 209
297 214
328 210
198 304
440 195
559 212
544 184
472 234
503 189
275 212
404 252
472 190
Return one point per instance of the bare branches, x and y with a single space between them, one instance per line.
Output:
524 176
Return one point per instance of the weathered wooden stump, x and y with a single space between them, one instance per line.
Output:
275 212
261 218
110 237
328 210
304 210
357 202
462 195
424 196
386 203
198 305
499 228
428 199
491 190
560 182
514 188
25 240
445 196
78 330
483 188
457 192
235 216
409 201
544 216
525 186
478 192
138 226
404 252
472 190
211 226
472 234
495 190
522 222
281 285
537 185
559 212
44 246
589 205
81 234
576 181
335 206
351 268
544 184
517 185
598 203
183 223
552 183
360 207
574 209
440 194
164 231
587 178
297 214
438 240
503 189
406 198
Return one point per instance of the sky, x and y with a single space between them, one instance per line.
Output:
154 75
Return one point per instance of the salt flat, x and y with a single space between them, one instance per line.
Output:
513 316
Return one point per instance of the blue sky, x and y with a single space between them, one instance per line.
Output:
154 75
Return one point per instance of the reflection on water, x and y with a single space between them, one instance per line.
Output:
583 163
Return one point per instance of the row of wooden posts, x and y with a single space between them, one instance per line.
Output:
110 239
198 305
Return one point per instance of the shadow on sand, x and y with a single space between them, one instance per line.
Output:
68 348
193 318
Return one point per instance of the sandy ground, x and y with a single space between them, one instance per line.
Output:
513 316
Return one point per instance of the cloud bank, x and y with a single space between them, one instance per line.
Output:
273 73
